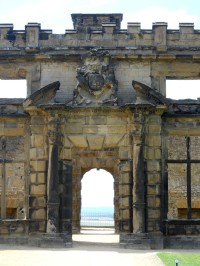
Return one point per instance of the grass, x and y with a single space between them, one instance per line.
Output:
185 259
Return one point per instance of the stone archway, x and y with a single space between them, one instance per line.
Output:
80 167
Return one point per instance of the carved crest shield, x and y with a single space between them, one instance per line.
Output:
96 80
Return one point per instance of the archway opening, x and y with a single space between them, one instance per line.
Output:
97 200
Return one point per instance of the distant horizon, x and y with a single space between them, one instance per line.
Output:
98 207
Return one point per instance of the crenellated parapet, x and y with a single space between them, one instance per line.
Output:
102 30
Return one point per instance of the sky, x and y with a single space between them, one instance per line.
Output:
56 15
97 189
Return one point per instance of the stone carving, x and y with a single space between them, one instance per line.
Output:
51 228
43 96
96 81
147 96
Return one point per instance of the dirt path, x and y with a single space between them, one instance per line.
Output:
80 254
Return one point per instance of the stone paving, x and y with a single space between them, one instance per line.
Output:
89 249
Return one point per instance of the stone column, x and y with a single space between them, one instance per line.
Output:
138 176
3 182
53 201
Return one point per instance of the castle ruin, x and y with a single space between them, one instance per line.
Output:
96 98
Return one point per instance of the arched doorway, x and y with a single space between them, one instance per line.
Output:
97 199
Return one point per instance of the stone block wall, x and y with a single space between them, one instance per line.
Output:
38 173
182 165
152 157
14 172
99 139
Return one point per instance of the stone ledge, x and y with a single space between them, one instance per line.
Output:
142 240
44 241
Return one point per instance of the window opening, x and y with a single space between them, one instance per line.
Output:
13 88
183 177
183 89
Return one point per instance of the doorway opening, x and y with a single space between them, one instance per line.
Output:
97 208
97 199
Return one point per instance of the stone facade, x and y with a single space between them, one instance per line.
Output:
96 99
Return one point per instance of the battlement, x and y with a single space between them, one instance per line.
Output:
95 21
101 30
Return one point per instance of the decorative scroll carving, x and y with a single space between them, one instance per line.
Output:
96 81
43 96
147 96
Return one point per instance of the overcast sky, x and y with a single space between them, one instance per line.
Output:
56 15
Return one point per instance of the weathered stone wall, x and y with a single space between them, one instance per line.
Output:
152 155
178 130
148 143
38 172
14 167
99 139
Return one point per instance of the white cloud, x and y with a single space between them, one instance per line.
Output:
157 14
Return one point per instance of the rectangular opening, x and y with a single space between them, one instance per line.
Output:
182 213
13 88
183 89
11 213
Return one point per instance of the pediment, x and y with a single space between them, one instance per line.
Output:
43 96
147 96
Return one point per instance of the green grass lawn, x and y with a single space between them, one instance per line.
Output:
185 259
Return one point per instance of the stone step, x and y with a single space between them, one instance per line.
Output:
55 240
133 241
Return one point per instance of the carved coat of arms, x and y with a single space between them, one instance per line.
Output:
96 81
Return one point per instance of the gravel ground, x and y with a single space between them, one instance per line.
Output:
84 255
89 249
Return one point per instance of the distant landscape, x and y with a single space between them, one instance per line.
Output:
97 217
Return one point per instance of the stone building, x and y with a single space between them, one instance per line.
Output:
96 99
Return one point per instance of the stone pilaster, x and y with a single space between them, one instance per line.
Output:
38 171
138 175
152 156
3 181
53 202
